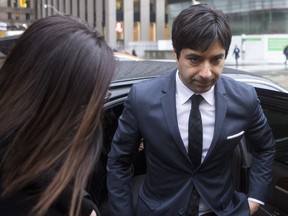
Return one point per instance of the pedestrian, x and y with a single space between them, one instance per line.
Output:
285 52
183 167
134 52
236 53
53 86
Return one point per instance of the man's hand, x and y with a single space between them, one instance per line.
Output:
253 207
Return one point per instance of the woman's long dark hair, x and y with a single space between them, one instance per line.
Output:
52 89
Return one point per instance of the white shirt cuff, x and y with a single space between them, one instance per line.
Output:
255 200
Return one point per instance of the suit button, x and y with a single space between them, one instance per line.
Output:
181 211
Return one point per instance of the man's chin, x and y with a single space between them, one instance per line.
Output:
202 89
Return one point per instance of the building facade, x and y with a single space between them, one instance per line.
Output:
15 15
255 17
126 22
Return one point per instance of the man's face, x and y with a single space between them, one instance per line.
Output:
199 71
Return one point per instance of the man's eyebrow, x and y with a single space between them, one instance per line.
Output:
193 55
221 55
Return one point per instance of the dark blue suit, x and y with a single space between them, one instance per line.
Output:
150 113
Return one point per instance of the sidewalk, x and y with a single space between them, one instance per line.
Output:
254 62
258 66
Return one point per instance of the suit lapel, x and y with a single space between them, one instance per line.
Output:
220 113
168 102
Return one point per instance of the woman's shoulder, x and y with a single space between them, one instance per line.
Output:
17 204
22 202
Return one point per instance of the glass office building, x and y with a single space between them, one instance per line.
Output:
255 17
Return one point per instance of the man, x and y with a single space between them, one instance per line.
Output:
285 52
158 110
236 53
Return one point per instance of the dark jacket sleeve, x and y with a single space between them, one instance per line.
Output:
63 202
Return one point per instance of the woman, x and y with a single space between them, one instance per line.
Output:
52 88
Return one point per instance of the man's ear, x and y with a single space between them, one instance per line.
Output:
175 55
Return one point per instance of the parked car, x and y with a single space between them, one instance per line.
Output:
6 43
273 98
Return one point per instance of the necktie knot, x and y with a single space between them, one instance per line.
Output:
196 100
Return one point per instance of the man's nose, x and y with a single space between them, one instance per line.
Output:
205 71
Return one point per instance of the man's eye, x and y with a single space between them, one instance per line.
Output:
217 60
194 60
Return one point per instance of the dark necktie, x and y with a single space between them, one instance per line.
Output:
195 135
195 131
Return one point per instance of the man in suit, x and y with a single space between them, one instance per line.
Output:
158 110
236 53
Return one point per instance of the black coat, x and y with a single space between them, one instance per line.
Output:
22 202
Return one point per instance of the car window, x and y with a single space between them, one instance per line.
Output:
275 106
279 124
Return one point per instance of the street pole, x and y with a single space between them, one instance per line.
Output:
53 8
43 8
243 49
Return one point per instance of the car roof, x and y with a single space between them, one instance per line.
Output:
130 72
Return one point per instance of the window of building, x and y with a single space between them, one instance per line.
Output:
119 5
17 15
28 3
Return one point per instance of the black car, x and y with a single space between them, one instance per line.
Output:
273 98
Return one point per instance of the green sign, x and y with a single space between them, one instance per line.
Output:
277 44
253 39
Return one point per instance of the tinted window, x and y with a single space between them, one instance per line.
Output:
279 123
275 106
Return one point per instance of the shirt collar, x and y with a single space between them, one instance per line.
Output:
185 93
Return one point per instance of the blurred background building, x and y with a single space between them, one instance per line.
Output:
145 25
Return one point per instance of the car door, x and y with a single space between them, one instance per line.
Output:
275 106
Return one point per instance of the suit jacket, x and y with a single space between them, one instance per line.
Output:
150 113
